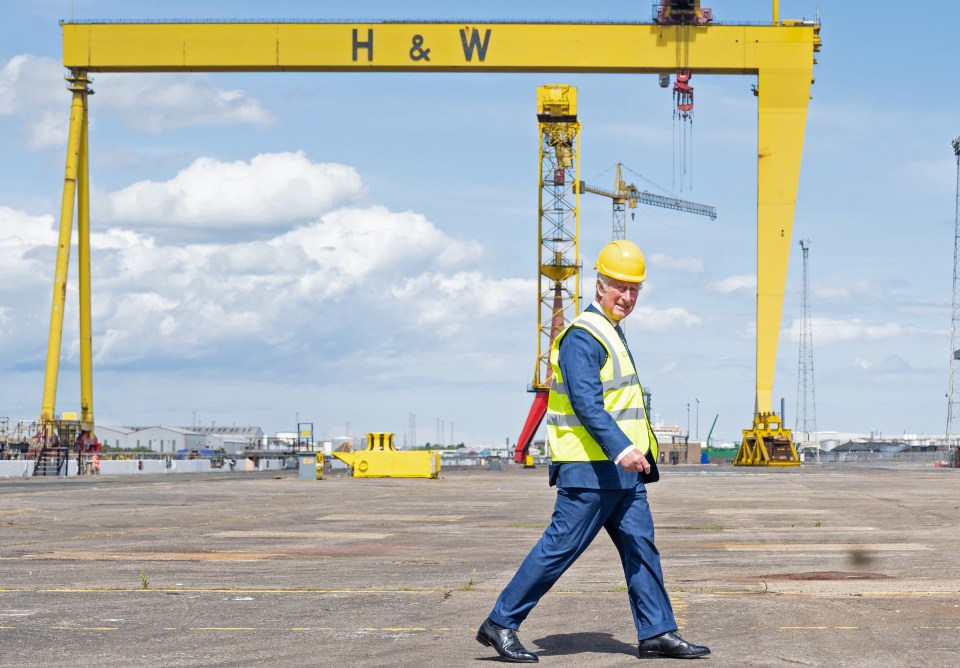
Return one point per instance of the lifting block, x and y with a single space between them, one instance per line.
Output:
380 460
767 444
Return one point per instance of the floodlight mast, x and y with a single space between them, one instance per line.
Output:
806 423
953 403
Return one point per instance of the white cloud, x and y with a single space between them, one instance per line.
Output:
153 102
22 230
688 264
30 83
451 304
271 190
673 317
890 364
35 90
847 291
20 234
827 331
349 245
369 264
50 130
117 238
351 270
742 283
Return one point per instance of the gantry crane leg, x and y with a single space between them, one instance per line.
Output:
75 190
83 281
782 114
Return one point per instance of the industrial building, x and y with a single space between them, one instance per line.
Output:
114 437
231 440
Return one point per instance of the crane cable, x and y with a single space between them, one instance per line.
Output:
683 97
665 191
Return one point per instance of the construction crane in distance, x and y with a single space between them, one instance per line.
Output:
627 195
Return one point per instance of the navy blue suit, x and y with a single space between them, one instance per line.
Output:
593 496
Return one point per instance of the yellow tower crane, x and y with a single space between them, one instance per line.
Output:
558 230
626 195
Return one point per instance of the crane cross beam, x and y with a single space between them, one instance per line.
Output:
444 46
674 203
629 193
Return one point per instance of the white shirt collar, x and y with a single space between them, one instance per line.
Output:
597 306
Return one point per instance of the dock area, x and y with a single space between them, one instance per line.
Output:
811 566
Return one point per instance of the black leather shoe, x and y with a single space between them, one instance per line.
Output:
506 642
670 646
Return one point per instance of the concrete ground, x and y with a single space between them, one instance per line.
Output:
818 566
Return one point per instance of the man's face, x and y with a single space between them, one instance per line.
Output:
618 298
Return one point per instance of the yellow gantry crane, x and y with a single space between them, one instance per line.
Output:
780 55
626 195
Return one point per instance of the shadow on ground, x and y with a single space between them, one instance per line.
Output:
578 643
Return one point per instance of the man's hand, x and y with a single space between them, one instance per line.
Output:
635 461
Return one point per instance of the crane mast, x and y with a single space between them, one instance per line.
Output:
558 229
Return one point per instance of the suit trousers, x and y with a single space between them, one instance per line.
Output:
578 516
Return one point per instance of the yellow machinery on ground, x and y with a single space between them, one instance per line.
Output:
780 55
767 444
381 460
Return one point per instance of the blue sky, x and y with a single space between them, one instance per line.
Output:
349 250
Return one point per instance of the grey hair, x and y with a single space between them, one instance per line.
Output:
604 280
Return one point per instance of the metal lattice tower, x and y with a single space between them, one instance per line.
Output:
952 400
806 423
558 257
558 229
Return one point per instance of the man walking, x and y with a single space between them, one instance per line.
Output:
603 451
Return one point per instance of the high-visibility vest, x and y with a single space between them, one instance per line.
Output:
568 439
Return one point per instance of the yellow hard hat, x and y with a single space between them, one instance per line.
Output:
622 260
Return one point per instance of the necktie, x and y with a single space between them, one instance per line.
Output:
624 339
621 335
